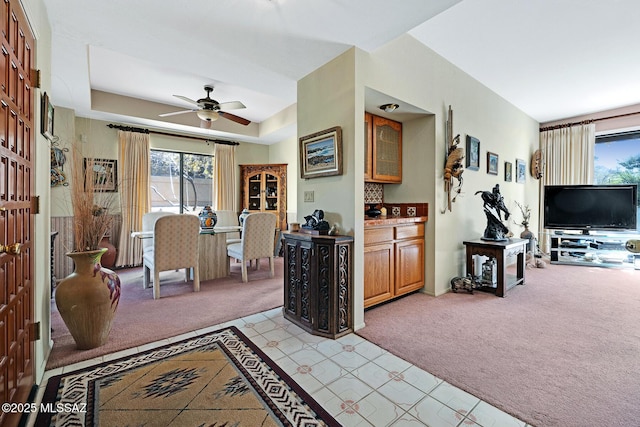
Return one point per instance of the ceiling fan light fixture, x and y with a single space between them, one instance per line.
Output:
208 115
388 108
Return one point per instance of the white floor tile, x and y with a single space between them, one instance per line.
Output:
307 356
490 416
349 388
435 414
401 392
420 379
379 410
454 398
372 374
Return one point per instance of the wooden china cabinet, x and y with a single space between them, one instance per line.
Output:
264 189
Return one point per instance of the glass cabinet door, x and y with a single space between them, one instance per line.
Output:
254 192
387 150
271 192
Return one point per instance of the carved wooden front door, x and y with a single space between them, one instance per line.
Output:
17 173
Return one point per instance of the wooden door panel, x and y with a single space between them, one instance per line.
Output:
16 216
409 266
379 273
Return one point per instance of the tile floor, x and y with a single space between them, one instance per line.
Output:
356 381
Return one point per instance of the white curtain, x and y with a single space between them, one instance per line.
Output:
135 195
224 178
569 159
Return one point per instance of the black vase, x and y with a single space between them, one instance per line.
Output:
373 211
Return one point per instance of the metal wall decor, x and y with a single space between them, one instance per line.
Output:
453 164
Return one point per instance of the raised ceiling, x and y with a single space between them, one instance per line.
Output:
123 61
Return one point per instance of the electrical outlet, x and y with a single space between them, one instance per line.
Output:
308 196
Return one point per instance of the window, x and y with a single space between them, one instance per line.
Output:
181 182
617 159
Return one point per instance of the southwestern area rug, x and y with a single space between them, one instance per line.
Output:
217 379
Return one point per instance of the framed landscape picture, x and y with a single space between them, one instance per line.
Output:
521 170
508 171
492 163
473 153
321 153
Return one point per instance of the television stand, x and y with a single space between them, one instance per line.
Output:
606 249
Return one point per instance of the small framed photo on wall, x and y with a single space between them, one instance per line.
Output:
521 170
492 163
508 171
46 119
473 153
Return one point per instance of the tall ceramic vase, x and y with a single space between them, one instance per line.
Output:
87 299
527 234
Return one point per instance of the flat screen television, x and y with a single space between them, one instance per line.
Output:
591 207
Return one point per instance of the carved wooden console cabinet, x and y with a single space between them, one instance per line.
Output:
318 283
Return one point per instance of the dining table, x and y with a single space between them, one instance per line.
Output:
212 250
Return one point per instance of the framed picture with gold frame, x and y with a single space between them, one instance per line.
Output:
321 153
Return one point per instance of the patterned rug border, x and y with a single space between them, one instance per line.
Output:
51 394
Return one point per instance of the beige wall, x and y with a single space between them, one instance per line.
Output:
286 152
36 14
334 95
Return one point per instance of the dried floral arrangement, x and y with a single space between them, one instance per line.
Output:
90 206
526 214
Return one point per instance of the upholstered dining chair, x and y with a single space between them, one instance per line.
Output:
175 246
257 241
148 222
229 218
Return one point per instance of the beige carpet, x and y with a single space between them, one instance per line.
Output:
140 319
217 379
562 350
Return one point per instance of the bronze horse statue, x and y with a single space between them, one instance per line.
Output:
493 199
495 229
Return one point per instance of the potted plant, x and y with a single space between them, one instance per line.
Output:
88 298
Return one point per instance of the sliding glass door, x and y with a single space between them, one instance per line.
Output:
181 182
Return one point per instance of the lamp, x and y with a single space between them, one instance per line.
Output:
388 108
208 115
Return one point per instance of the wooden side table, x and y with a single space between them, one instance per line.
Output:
500 251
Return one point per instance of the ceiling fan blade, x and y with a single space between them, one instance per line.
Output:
232 105
205 124
184 98
234 118
176 113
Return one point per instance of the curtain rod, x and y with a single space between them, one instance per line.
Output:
175 135
586 122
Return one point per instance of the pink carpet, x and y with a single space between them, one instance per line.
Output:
562 350
140 319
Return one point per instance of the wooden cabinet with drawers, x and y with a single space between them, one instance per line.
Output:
393 261
383 150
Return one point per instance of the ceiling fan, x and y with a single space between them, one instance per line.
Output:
209 110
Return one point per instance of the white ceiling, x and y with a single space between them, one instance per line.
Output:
551 58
